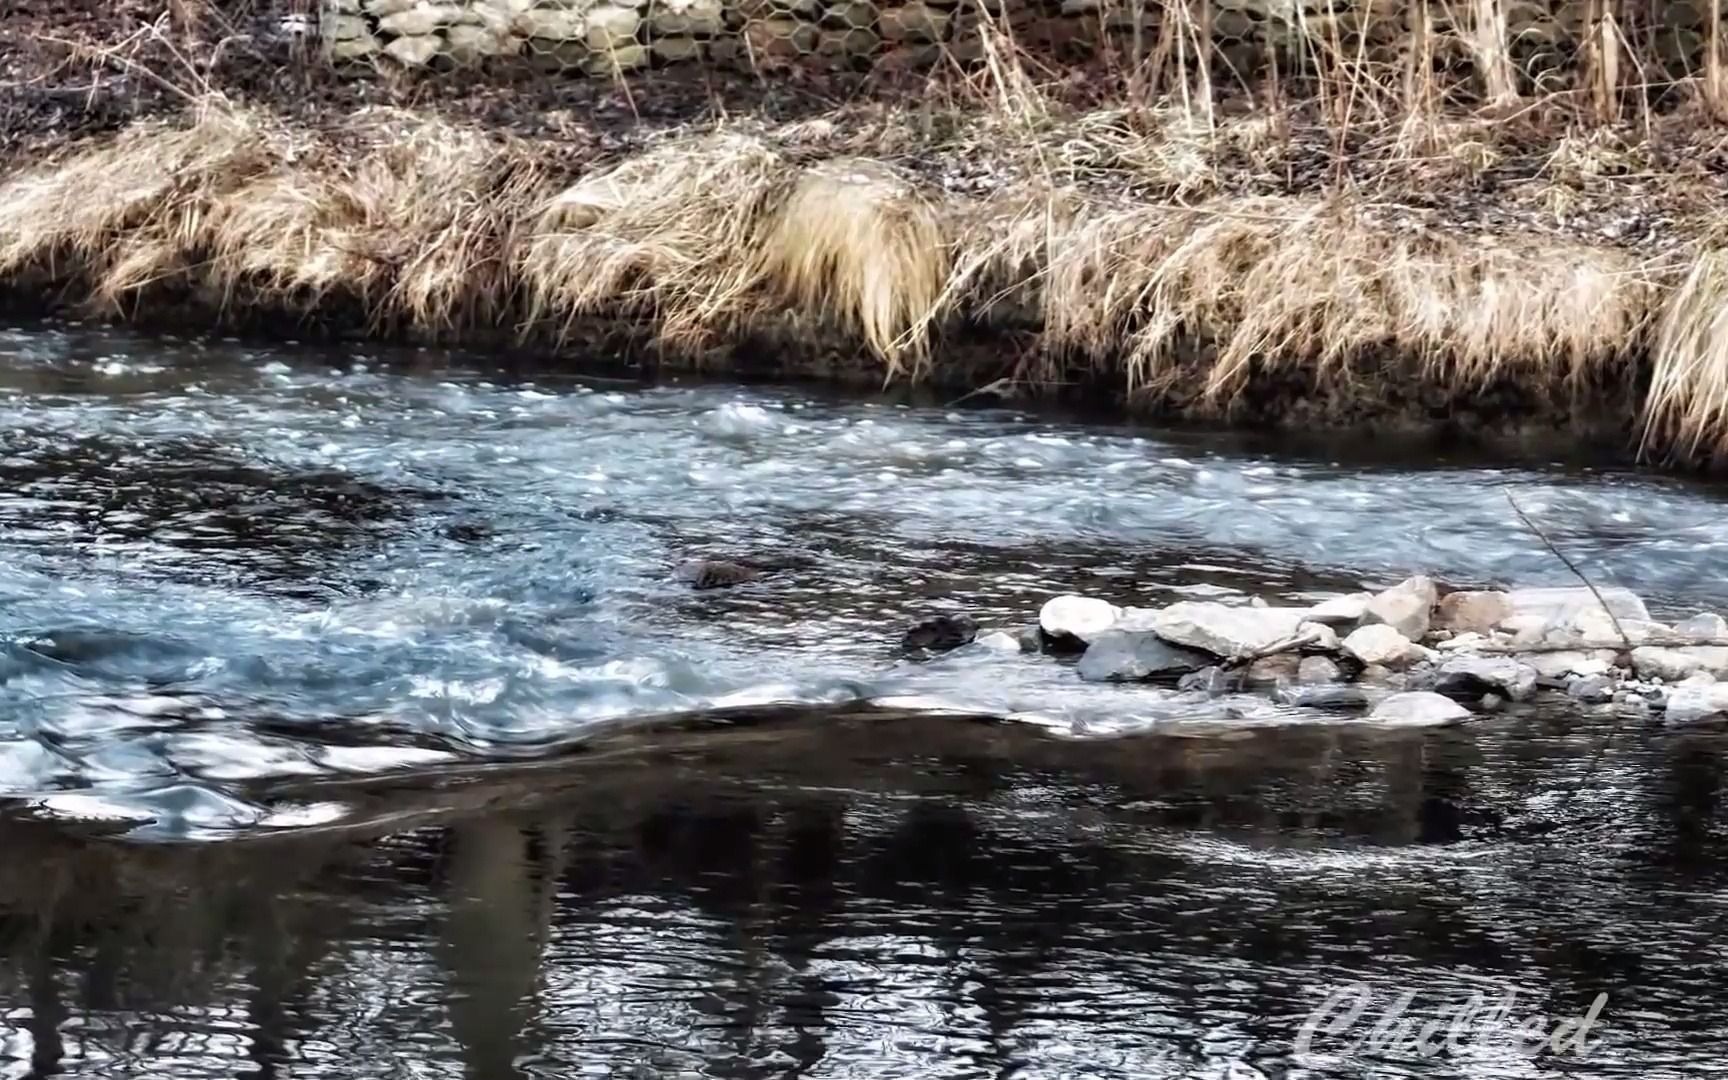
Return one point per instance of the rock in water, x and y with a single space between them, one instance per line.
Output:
715 573
1223 630
1404 607
1384 646
1591 689
1473 612
1069 619
942 632
1000 641
1672 665
1697 698
1348 698
1468 678
1318 671
1132 656
1340 610
1419 708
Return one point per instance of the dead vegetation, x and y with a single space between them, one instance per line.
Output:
1377 236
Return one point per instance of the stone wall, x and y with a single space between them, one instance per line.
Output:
606 37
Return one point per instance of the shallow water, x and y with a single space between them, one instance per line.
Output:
500 795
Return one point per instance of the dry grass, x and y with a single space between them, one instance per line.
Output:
1686 408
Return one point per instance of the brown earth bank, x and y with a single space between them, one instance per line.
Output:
1010 229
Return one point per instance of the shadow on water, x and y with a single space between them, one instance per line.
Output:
866 894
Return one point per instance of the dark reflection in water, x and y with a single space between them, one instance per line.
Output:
865 894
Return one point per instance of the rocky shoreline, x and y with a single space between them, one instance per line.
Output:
1409 655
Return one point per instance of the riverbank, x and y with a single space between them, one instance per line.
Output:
1479 271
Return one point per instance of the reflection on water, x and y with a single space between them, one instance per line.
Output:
870 895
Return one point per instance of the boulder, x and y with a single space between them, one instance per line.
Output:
1468 678
1596 628
1384 646
1419 708
1318 671
1340 610
1135 656
1223 630
1703 625
1560 606
941 632
1672 665
1697 699
1405 607
1349 698
1591 689
1472 612
1071 619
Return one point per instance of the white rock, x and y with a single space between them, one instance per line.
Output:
1318 671
1340 610
1695 699
469 42
552 24
612 28
1595 627
1419 708
414 51
1081 617
1382 645
1703 625
1558 607
1464 642
345 28
999 641
1672 665
1224 630
384 8
1555 665
421 19
1405 607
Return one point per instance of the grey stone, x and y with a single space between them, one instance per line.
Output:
1419 708
1273 670
714 573
1405 607
1223 630
999 641
1323 697
1078 618
1340 610
1318 671
1591 689
1210 680
941 632
1383 645
1472 612
1470 677
1133 656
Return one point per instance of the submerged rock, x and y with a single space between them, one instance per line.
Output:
1419 708
1405 607
1383 645
942 632
1471 677
1072 620
1468 612
715 573
1340 610
1223 630
1133 656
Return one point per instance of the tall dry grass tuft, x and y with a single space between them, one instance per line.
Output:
858 245
1686 407
135 210
666 234
1280 284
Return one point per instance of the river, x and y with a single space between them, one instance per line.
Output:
352 723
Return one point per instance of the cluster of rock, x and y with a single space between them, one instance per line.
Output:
601 37
1407 655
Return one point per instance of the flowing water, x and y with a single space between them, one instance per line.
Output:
352 723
